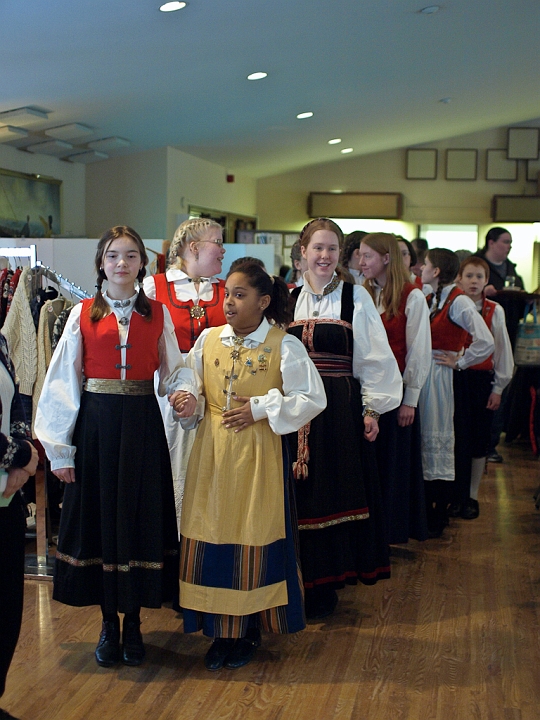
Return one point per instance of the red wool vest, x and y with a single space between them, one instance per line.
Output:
488 310
396 328
188 328
445 334
101 345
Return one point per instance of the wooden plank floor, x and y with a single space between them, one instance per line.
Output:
454 634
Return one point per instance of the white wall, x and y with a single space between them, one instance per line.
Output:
150 190
282 199
72 176
191 181
128 190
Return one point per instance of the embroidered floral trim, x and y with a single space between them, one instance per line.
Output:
113 567
337 521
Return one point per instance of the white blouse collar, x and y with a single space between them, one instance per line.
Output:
174 274
309 289
257 337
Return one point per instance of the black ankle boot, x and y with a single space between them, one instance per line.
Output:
133 649
108 648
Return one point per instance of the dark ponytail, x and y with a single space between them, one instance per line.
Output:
280 309
448 264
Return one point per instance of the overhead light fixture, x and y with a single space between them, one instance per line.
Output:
8 132
172 6
347 150
257 76
302 116
335 141
430 10
23 116
110 143
87 157
50 147
69 132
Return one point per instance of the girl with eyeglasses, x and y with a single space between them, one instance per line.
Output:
193 294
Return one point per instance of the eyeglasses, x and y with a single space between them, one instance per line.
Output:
217 241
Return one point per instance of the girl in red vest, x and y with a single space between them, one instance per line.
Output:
486 380
453 318
405 316
100 425
194 296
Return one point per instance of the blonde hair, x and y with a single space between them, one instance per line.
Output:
189 231
396 272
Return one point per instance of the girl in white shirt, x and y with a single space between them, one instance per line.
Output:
486 382
342 535
405 316
100 425
239 573
442 401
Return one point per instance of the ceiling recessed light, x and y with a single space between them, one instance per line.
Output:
172 6
335 141
257 76
302 116
347 150
430 10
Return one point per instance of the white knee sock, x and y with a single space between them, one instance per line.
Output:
477 470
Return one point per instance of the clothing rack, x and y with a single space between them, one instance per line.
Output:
62 281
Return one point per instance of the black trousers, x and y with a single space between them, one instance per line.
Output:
12 543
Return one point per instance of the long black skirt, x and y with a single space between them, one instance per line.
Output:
399 457
340 509
118 543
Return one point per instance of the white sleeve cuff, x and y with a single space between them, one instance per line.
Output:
258 408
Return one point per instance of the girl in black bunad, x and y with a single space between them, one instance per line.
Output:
100 425
342 534
486 381
443 398
239 570
405 317
194 297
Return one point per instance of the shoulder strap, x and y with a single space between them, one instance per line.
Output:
347 302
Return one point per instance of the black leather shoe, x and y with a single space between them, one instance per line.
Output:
108 648
133 651
4 715
454 510
470 510
218 653
243 651
320 603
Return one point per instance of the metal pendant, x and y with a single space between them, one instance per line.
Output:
197 312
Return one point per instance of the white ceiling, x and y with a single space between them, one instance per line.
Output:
372 71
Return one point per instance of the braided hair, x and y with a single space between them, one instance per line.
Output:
189 231
448 264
